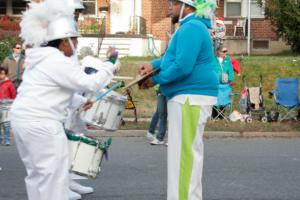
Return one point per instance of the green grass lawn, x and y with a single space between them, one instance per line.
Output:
269 67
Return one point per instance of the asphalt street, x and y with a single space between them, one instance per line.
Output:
234 169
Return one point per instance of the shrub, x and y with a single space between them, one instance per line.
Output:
5 45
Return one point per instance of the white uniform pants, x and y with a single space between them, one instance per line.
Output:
42 146
185 150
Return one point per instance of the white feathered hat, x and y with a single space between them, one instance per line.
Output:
76 4
47 21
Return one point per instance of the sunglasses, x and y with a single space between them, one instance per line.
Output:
225 51
17 47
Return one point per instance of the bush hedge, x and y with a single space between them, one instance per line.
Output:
6 45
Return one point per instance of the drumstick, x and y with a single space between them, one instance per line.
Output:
113 87
123 77
139 79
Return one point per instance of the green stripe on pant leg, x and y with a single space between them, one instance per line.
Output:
190 119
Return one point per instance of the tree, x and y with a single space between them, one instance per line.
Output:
285 16
6 46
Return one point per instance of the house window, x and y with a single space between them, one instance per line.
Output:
8 7
18 7
261 44
90 7
233 8
256 10
2 7
239 8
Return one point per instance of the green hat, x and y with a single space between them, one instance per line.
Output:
204 8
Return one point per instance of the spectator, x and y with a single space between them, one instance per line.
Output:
7 91
223 66
219 32
220 28
225 73
188 79
14 63
160 116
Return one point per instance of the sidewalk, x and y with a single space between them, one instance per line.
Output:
207 134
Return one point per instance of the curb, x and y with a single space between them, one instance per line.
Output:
207 134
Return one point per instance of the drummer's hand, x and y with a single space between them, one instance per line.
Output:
109 51
145 69
146 84
88 104
112 54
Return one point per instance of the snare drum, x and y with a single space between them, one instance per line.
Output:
85 154
106 113
5 105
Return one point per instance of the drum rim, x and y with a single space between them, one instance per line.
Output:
75 138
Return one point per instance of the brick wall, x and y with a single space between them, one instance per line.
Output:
220 9
260 28
263 29
155 12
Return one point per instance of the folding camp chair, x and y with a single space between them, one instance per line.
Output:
286 96
224 103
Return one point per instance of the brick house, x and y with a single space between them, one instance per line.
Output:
138 27
264 39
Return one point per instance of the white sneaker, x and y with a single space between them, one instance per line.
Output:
150 136
76 177
166 143
157 142
76 187
73 195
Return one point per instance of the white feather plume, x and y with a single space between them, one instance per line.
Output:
35 21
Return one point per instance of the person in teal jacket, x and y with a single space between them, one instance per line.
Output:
224 66
188 79
225 73
187 68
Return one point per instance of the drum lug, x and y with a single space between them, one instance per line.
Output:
100 120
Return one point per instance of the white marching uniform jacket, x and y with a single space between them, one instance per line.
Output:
49 82
38 113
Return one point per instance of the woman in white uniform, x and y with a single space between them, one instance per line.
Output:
49 81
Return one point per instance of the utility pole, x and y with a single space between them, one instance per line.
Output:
249 29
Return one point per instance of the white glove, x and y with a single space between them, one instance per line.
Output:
90 61
118 65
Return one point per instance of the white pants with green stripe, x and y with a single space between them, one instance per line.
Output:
185 151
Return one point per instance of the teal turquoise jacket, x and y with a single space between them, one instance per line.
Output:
187 66
227 68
